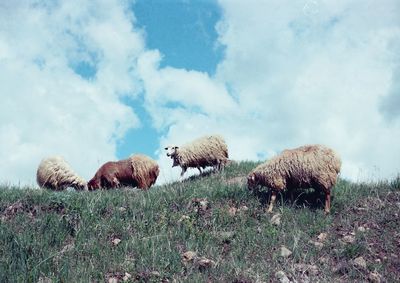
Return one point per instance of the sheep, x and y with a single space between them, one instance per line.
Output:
136 171
200 153
314 166
55 173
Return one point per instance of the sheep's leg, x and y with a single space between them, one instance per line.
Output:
291 196
183 171
85 188
327 202
143 187
104 182
271 204
115 183
199 168
221 166
139 184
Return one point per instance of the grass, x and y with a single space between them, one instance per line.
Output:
71 236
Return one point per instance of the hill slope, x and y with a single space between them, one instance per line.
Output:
208 228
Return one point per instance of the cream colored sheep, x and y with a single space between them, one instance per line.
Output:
136 171
309 166
55 173
200 153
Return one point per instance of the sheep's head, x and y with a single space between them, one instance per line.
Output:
80 184
93 184
171 151
252 181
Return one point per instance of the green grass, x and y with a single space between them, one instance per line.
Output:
67 236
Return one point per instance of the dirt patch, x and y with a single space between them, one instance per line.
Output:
201 206
19 207
373 225
240 180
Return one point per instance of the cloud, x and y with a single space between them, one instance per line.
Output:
293 73
318 75
390 104
51 104
184 103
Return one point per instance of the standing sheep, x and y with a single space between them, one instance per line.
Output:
136 171
309 166
200 153
55 173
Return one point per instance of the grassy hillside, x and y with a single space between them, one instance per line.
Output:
207 228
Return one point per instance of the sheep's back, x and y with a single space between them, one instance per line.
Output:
303 166
204 151
53 172
144 169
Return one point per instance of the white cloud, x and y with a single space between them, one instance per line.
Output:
46 106
319 75
297 72
294 72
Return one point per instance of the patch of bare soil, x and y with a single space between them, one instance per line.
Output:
201 206
240 180
371 233
31 211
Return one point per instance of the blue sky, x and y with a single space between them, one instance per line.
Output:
184 32
97 80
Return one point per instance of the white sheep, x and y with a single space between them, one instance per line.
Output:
309 166
55 173
200 153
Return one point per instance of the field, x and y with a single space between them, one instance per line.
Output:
205 229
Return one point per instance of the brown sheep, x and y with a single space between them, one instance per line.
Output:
309 166
136 171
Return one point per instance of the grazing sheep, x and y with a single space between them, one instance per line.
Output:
309 166
136 171
55 173
200 153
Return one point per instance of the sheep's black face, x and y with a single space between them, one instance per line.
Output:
93 185
251 182
81 187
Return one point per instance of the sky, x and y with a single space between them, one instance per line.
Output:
95 81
